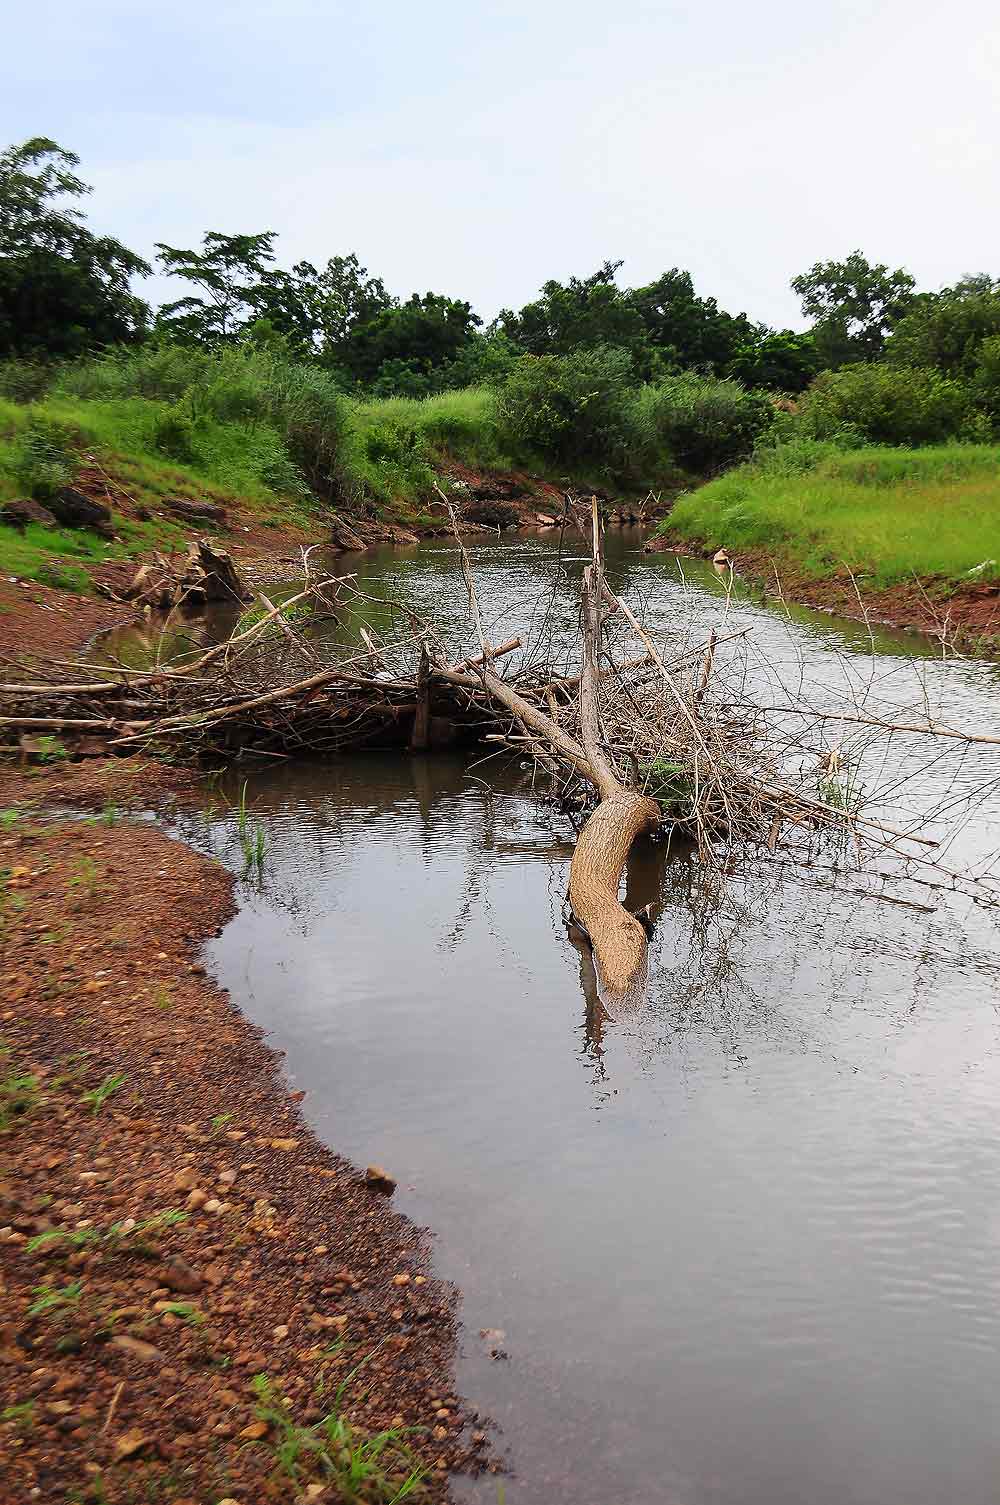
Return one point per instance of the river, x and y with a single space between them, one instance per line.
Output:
744 1249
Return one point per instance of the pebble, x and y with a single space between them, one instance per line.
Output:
380 1180
130 1444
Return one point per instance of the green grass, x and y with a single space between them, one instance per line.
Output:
391 445
889 514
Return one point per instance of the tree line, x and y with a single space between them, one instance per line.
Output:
589 372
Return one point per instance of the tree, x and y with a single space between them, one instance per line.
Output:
853 306
424 333
776 360
580 314
685 331
318 310
947 329
230 270
63 290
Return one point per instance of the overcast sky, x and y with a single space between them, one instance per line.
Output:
478 150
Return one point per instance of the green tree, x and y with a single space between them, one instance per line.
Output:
229 270
947 329
580 314
63 290
687 332
853 305
318 310
775 360
423 334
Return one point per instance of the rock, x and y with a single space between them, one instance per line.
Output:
255 1431
20 513
195 509
343 536
493 514
212 573
131 1444
380 1180
186 1179
197 1199
178 1275
401 1280
74 510
284 1144
146 1353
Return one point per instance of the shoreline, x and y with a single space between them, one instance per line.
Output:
961 618
286 1262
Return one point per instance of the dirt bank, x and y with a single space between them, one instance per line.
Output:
963 617
134 1091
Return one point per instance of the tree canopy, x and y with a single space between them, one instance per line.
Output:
63 290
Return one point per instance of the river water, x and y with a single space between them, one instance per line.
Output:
744 1248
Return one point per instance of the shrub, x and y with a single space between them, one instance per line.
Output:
42 457
173 435
570 409
701 423
888 405
24 381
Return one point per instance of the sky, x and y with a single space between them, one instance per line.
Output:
479 150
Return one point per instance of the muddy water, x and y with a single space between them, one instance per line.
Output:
744 1249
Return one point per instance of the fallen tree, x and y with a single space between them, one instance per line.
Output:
629 740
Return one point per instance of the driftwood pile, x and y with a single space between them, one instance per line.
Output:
636 739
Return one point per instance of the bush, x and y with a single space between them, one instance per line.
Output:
701 423
162 372
570 409
889 405
173 435
42 459
24 381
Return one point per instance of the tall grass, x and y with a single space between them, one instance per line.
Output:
888 513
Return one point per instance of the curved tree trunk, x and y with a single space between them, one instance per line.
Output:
617 938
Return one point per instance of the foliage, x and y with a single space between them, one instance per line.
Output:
569 408
946 330
41 459
424 332
376 1468
888 405
853 305
63 290
700 423
98 1096
888 513
228 270
775 361
688 332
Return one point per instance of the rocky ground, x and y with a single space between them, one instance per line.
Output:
189 1281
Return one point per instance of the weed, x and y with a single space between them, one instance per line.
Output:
220 1120
252 838
376 1468
19 1091
50 750
127 1232
86 875
109 814
9 819
184 1309
98 1096
48 1300
21 1415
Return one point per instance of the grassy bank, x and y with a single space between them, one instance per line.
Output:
890 514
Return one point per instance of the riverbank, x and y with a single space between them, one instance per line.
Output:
171 1228
907 537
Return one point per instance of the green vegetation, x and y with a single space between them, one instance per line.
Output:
19 1091
379 1469
313 388
98 1096
887 513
